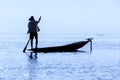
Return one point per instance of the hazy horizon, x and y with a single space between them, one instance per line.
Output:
61 16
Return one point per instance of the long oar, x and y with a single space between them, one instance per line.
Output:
26 46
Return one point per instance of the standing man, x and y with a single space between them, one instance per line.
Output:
33 29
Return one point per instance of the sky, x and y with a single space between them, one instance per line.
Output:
61 16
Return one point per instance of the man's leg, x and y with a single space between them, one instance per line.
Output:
36 37
31 37
31 43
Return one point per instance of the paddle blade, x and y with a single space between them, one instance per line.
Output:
24 49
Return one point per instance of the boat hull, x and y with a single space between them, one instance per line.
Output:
65 48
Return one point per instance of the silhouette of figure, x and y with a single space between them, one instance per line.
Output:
33 29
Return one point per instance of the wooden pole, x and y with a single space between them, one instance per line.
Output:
90 45
26 46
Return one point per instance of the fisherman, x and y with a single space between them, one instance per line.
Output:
33 29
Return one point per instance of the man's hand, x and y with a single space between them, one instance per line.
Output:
40 18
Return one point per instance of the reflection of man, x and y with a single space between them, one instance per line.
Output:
33 29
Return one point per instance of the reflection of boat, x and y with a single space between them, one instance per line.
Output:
65 48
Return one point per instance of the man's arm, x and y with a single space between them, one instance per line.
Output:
39 19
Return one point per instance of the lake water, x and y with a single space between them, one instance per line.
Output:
102 64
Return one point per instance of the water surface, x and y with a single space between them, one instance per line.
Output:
102 64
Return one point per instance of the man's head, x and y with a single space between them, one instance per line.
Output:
31 18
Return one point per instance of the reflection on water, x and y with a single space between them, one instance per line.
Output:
33 55
102 64
32 69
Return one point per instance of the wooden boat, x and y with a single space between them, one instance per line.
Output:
65 48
